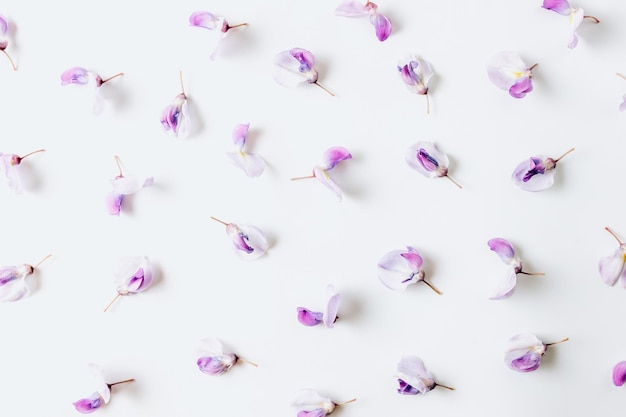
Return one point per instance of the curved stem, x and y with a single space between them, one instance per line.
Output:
345 402
431 286
595 19
324 88
237 25
427 104
112 301
556 343
614 235
182 87
533 67
444 386
248 362
31 153
121 382
220 221
119 165
10 59
302 178
119 74
532 273
453 181
40 262
620 75
561 157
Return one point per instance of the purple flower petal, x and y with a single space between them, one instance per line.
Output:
308 317
216 365
415 73
4 26
413 258
523 352
333 156
13 285
134 274
351 9
531 175
502 248
318 412
406 389
75 75
175 117
290 70
88 405
239 135
506 68
113 202
206 20
622 107
559 6
382 25
612 267
521 87
249 242
398 269
619 374
411 371
304 58
310 400
427 159
332 307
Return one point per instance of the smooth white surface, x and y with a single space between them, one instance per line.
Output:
204 290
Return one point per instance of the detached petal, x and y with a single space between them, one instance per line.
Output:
395 272
14 290
559 6
239 134
75 75
4 26
506 287
130 185
335 155
521 87
382 25
318 412
308 317
11 172
88 405
328 182
251 164
102 388
413 258
575 20
175 118
205 20
503 249
113 202
612 267
619 374
332 307
134 274
216 365
211 347
351 9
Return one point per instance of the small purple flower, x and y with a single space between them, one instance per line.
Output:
537 173
619 374
207 20
414 378
4 39
381 23
329 317
213 360
400 268
13 285
416 74
296 66
310 404
253 165
123 186
508 72
175 117
102 395
612 267
90 404
523 352
576 16
9 166
249 241
332 157
80 76
428 160
134 275
504 249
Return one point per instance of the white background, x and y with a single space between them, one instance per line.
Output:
204 290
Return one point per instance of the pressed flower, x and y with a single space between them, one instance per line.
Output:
427 159
207 20
416 74
4 39
414 378
575 14
508 72
311 404
400 268
332 157
523 352
213 360
9 166
13 285
329 317
249 241
537 173
612 267
175 117
253 165
619 374
81 76
381 23
296 66
123 186
134 275
504 249
102 395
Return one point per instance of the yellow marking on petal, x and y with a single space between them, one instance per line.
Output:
517 74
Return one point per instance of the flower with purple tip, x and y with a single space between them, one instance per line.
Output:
13 285
329 317
416 74
10 167
207 20
175 117
508 72
414 378
332 157
81 76
400 268
612 267
381 23
4 39
123 186
212 359
249 242
523 352
253 165
427 159
133 275
575 14
309 403
296 66
102 395
536 173
619 374
504 249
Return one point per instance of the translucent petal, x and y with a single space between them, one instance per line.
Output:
559 6
75 75
382 25
416 73
211 347
328 182
335 155
130 185
4 26
612 267
10 170
318 412
97 375
98 102
309 400
504 68
524 178
622 106
427 159
575 20
503 248
14 290
395 272
289 72
332 307
411 369
239 135
206 20
351 9
506 287
251 164
250 243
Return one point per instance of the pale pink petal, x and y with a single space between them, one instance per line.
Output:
290 71
14 290
612 267
395 272
622 106
351 9
506 287
249 242
10 170
4 26
206 20
332 307
575 20
328 182
251 164
503 248
75 75
113 203
382 25
97 374
130 185
309 400
333 156
239 135
413 258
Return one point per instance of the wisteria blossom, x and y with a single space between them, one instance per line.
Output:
427 159
328 317
249 242
400 268
416 74
311 404
81 76
575 15
133 275
332 157
10 167
4 39
13 284
536 173
212 359
123 186
101 396
253 165
207 20
414 378
381 23
296 66
504 249
612 267
619 374
175 117
508 72
523 352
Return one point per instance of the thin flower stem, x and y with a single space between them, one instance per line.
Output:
556 343
453 181
532 273
324 88
40 262
121 382
31 153
112 301
620 75
427 104
220 221
614 235
256 365
533 67
444 386
10 59
302 178
431 286
345 402
595 19
237 25
182 87
119 74
119 165
561 157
